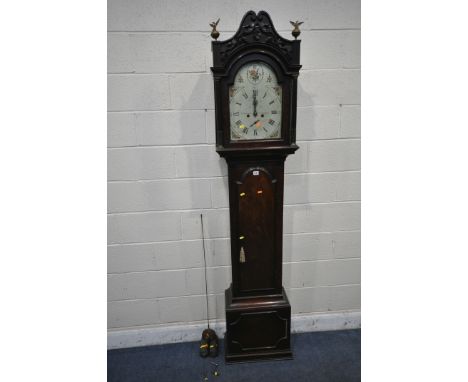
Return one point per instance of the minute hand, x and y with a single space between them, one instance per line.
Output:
254 104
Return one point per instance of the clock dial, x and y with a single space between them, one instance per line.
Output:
255 103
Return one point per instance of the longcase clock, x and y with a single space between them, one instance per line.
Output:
255 87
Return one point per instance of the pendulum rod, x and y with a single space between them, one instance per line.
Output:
206 281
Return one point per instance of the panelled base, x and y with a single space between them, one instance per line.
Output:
257 328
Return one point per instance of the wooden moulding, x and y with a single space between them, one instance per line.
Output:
257 328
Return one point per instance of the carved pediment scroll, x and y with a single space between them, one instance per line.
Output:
255 29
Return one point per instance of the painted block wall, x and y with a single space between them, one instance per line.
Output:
163 170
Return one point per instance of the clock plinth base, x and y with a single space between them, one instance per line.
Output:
257 328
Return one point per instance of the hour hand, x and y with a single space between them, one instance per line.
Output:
254 122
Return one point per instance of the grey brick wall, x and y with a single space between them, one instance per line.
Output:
163 170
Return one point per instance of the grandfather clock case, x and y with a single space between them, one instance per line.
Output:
255 87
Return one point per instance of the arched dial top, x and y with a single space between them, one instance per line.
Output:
255 102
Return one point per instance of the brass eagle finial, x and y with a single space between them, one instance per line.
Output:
296 31
214 32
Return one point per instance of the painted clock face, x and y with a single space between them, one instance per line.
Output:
255 103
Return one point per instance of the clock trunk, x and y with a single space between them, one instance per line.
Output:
256 213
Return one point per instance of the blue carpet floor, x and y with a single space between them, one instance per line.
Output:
318 356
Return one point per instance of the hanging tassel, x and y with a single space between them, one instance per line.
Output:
242 255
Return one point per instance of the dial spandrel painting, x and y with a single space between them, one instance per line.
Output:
255 101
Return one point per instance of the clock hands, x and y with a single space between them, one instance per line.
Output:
254 122
255 102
